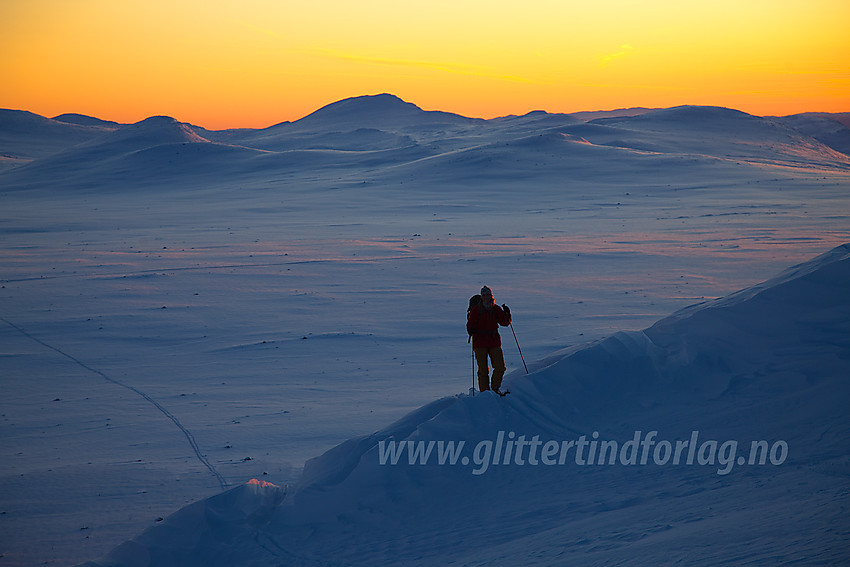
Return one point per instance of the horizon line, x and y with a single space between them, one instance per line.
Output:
366 96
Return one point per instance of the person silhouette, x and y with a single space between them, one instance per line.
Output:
482 324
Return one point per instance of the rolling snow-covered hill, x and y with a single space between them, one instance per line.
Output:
25 136
398 140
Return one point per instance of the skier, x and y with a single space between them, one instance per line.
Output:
482 324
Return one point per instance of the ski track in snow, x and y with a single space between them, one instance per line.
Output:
188 434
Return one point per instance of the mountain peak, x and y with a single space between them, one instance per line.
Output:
380 106
156 130
383 101
83 120
382 111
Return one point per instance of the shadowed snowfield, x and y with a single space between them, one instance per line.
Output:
186 310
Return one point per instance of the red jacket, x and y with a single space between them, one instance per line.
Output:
483 325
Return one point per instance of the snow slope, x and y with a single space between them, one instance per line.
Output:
748 138
768 363
83 120
131 155
25 136
831 129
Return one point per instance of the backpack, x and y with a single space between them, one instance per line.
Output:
473 301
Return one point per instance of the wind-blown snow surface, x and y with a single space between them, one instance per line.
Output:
184 310
770 363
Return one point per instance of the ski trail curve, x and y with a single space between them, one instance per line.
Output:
188 434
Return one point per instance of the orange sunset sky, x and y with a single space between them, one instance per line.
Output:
253 63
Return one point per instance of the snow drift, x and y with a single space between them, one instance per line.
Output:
767 366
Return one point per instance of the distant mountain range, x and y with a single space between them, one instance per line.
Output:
383 131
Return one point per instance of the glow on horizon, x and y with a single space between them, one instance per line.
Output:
253 63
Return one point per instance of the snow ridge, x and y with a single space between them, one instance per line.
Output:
769 363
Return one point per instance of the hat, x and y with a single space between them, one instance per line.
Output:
486 291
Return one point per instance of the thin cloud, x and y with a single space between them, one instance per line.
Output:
624 50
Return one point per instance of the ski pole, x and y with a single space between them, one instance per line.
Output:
519 349
473 372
